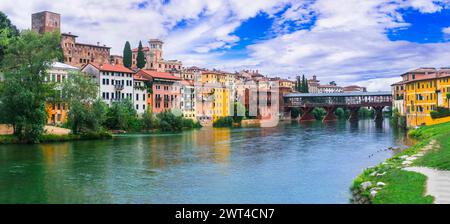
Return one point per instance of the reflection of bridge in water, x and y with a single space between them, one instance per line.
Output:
330 101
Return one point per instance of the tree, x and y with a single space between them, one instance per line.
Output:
127 55
25 89
122 116
149 120
79 88
306 86
87 113
140 57
7 31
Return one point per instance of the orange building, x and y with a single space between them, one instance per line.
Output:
57 110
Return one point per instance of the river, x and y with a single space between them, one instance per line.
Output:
291 163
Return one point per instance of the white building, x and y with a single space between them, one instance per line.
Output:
188 98
115 81
330 89
140 94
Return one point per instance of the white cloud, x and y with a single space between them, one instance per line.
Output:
347 42
446 30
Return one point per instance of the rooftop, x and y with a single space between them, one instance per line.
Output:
111 68
159 75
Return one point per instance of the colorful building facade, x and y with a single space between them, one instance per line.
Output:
426 90
165 88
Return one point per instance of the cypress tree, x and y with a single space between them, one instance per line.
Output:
140 56
304 84
127 54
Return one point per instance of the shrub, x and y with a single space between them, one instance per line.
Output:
440 112
223 122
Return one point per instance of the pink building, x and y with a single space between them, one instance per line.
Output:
166 93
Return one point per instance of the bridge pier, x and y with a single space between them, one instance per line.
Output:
378 113
307 115
330 116
353 114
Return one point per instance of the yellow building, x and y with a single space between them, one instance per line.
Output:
217 85
424 93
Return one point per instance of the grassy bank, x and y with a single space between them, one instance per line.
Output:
11 139
392 184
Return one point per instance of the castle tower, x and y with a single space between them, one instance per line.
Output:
43 22
156 49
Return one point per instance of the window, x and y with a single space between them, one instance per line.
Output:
137 96
137 106
143 106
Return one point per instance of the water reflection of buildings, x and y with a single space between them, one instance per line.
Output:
206 144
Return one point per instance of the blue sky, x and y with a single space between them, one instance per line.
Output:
368 42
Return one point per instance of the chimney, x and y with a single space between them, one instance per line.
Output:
98 43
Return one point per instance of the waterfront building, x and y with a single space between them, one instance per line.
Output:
57 110
188 99
115 81
398 96
154 58
426 90
165 90
142 93
216 87
75 54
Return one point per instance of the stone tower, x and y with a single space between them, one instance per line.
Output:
43 22
156 49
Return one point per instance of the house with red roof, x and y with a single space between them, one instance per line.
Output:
115 81
165 90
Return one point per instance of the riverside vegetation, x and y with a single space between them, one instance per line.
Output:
389 183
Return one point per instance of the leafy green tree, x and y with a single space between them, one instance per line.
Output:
340 113
122 116
7 31
127 55
25 89
79 88
319 113
295 112
87 113
149 120
168 122
140 61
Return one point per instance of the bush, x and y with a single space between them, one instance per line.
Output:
440 112
168 122
319 113
223 122
295 112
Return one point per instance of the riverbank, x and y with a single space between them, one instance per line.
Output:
48 138
390 183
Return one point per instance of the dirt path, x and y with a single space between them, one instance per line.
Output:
438 183
7 130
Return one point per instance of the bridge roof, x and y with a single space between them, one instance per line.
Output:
295 95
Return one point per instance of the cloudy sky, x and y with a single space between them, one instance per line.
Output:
369 42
